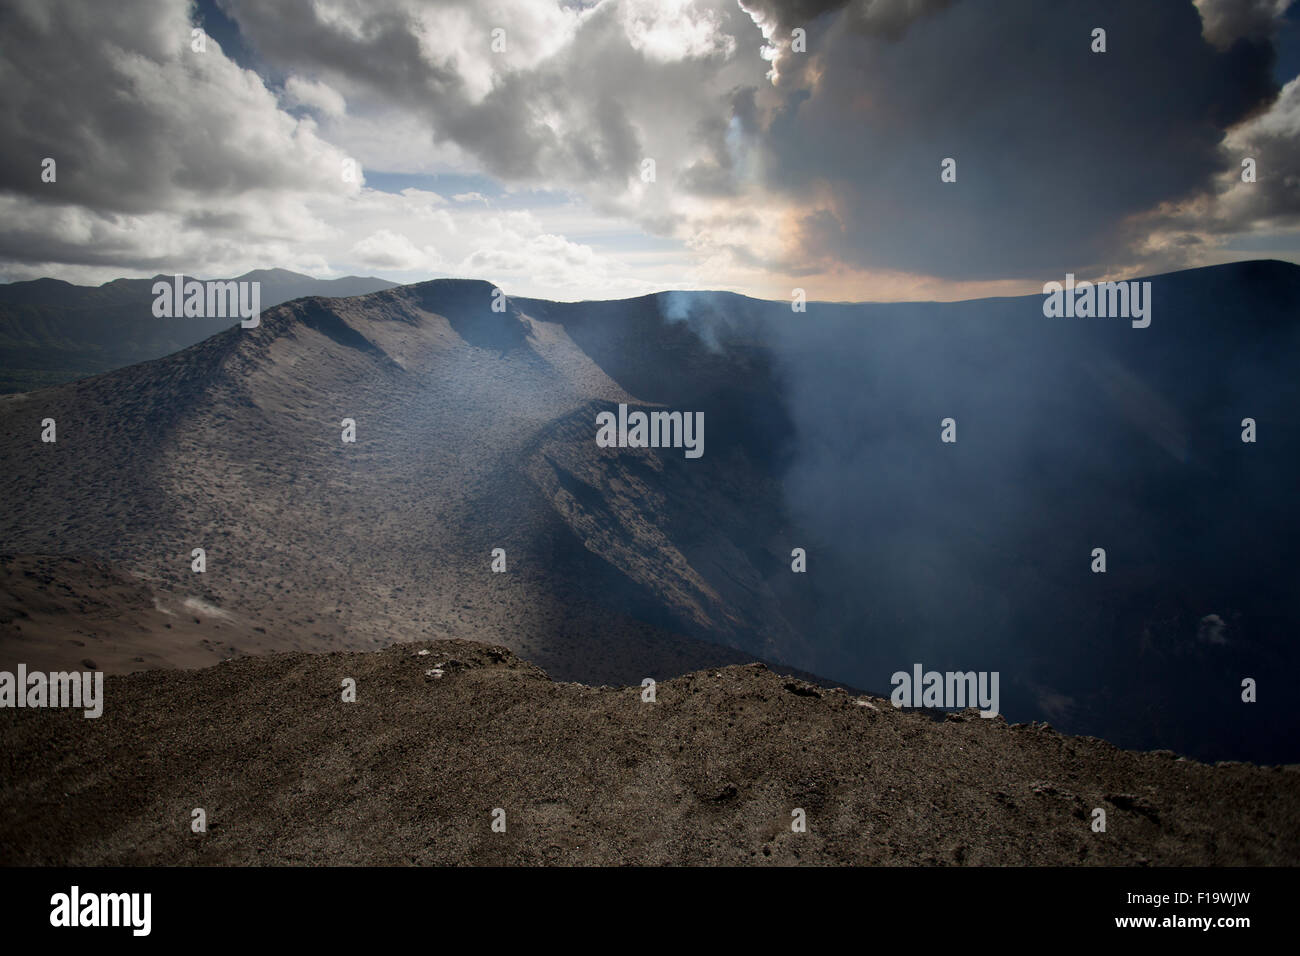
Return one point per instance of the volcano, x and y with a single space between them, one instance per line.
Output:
828 530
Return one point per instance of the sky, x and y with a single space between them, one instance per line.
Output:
575 149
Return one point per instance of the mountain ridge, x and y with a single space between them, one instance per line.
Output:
475 431
446 738
52 331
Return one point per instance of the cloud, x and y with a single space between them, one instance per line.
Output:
510 107
823 174
668 31
1229 20
152 140
170 159
778 19
318 96
1058 149
1273 141
389 250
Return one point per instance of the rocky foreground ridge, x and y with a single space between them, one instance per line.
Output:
444 733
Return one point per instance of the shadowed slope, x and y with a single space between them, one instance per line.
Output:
333 545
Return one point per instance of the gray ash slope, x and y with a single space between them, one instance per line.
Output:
471 427
708 774
475 431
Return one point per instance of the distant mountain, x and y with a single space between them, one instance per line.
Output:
52 331
476 430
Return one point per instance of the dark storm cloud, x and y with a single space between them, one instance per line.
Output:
887 18
1057 147
1229 20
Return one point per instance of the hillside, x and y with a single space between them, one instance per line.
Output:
234 445
475 431
707 774
52 331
